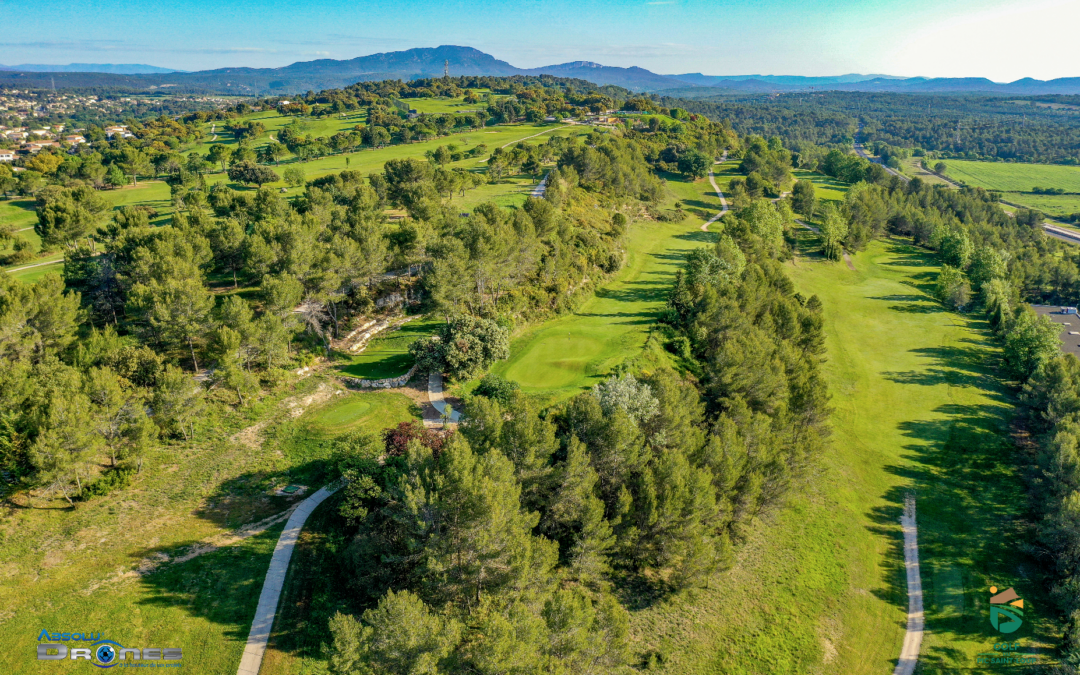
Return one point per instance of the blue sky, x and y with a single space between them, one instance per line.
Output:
1000 39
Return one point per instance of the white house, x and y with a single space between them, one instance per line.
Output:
7 155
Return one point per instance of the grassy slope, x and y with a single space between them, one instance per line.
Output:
387 355
819 587
72 570
560 357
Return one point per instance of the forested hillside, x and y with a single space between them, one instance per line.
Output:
1031 129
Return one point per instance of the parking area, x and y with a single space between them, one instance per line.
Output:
1070 326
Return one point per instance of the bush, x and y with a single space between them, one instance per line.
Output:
494 387
110 481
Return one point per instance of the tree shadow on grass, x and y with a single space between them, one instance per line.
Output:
697 236
639 291
220 579
971 511
955 366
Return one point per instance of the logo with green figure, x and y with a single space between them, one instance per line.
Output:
1006 610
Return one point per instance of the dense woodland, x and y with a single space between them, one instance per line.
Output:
957 126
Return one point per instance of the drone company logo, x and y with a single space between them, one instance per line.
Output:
1006 605
104 653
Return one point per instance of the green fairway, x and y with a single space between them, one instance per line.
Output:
18 212
370 410
912 167
387 355
819 586
827 188
574 351
1013 177
75 569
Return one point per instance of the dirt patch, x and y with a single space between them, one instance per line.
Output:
155 561
296 405
251 437
847 260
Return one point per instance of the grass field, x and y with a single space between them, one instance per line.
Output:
912 167
819 587
387 355
74 569
561 356
1012 177
1058 206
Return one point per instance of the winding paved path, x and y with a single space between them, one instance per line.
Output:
723 202
435 395
275 580
909 653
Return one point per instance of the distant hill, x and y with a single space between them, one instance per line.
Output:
115 68
636 79
429 62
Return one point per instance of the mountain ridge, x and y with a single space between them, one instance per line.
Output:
113 68
427 62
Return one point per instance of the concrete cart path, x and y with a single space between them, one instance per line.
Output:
435 395
538 192
723 202
275 580
909 653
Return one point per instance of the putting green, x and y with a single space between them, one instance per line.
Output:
575 351
347 413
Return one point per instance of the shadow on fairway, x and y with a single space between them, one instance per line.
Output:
639 291
971 509
698 237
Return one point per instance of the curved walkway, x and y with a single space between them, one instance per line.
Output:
435 395
723 202
541 187
909 653
275 580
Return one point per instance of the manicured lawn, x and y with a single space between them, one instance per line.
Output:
370 410
561 356
73 569
387 355
18 212
1013 177
819 586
